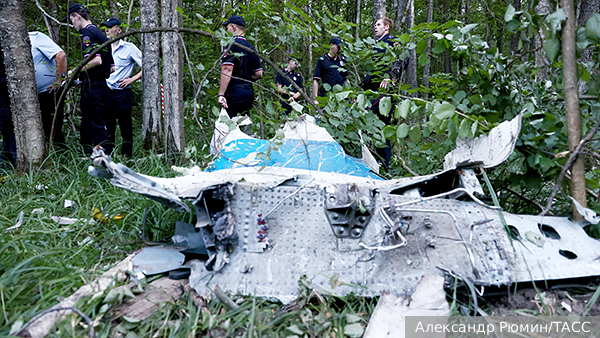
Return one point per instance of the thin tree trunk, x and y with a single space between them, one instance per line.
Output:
427 66
379 9
585 10
22 88
151 97
357 33
399 17
514 39
412 66
572 104
541 61
172 79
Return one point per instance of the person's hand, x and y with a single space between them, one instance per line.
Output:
223 101
316 102
384 83
296 95
125 82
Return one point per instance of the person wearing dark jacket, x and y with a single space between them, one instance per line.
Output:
93 79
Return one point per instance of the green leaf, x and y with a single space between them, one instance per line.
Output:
296 106
389 131
415 134
552 48
342 95
510 13
443 110
385 105
463 130
352 318
555 20
402 131
180 10
592 28
294 329
354 330
403 109
474 129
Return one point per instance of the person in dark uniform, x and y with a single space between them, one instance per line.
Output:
381 78
238 72
330 68
93 77
8 156
288 92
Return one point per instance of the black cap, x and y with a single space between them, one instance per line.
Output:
111 22
75 8
337 40
235 19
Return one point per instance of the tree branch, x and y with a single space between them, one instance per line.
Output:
567 166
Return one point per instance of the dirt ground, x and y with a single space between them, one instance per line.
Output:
560 299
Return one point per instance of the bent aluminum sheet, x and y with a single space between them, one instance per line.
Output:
304 244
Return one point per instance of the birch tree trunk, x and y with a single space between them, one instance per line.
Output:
357 33
514 39
572 104
151 97
427 66
399 17
22 88
172 79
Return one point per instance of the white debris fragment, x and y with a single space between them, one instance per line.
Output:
19 222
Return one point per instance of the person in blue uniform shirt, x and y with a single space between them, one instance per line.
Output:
330 68
288 92
8 157
119 101
93 80
239 69
50 63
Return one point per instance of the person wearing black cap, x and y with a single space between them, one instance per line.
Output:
288 92
239 69
119 101
93 76
330 68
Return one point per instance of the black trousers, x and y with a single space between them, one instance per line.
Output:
240 98
48 103
93 128
118 108
8 156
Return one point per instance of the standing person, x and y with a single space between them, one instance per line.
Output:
93 77
239 69
288 92
381 78
330 68
50 63
9 144
118 101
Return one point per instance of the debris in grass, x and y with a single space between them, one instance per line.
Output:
19 222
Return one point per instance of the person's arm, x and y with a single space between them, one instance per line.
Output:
95 62
61 68
128 81
315 90
226 71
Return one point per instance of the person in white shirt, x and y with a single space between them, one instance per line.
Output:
50 63
119 102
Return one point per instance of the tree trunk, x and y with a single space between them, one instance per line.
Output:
151 97
585 10
541 61
114 11
379 9
399 17
514 39
357 33
172 79
427 66
572 104
22 88
53 27
412 66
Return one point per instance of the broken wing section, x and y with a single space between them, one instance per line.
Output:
125 178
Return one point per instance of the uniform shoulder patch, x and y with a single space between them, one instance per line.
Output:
86 40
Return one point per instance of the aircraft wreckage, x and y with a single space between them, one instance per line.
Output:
267 214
